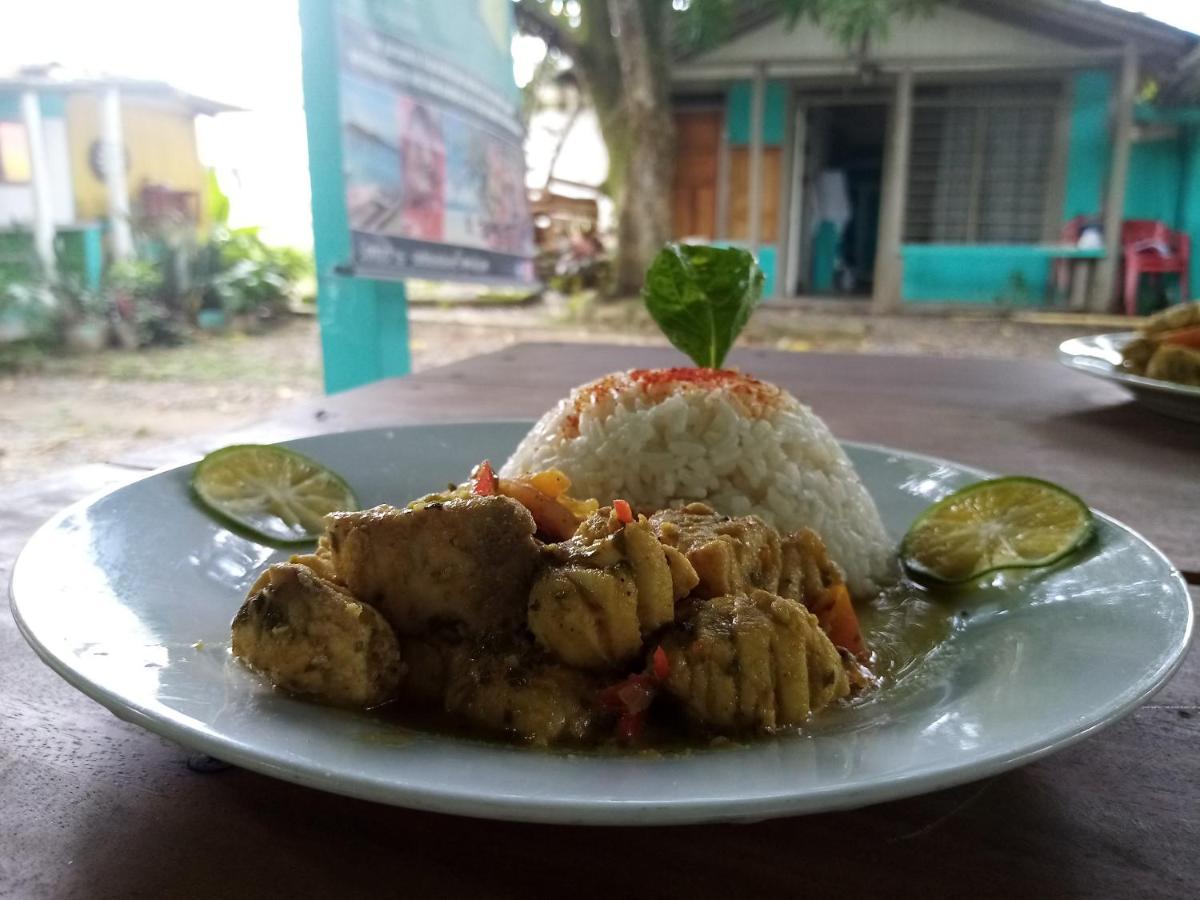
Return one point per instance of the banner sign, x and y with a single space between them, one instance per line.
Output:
432 141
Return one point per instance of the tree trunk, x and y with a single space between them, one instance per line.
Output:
644 160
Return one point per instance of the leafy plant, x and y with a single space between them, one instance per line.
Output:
702 296
34 310
216 199
248 276
134 278
141 317
46 310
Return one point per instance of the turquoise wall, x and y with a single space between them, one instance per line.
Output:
1088 144
774 113
53 105
992 274
737 113
1016 274
1155 180
1164 183
1189 198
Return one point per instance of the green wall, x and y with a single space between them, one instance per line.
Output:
1189 199
79 251
1155 180
1017 274
978 274
774 113
1089 144
737 113
1164 184
54 105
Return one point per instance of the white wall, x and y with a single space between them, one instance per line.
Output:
16 200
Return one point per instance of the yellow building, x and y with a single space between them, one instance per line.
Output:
160 146
59 138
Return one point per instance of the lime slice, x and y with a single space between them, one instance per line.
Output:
1004 523
277 493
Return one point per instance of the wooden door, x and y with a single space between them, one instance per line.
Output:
739 194
694 190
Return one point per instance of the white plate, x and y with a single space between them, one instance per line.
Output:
129 596
1100 355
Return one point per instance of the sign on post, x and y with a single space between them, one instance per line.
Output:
432 141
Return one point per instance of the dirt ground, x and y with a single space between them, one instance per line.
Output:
91 409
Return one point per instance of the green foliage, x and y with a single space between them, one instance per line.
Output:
247 276
137 290
702 297
134 278
32 309
704 24
216 199
855 22
43 309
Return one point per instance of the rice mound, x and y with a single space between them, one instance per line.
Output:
665 437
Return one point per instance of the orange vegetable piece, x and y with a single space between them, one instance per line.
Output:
836 616
623 510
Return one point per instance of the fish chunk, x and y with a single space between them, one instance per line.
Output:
311 637
730 555
504 685
468 562
523 696
807 571
604 590
753 661
587 617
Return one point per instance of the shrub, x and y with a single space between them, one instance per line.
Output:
247 276
135 290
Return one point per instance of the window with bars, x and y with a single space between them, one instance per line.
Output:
980 162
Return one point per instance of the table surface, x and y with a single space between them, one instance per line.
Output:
92 806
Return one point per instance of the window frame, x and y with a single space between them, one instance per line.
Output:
5 179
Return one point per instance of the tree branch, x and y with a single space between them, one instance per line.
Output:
533 18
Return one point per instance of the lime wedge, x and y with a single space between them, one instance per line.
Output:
278 494
1004 523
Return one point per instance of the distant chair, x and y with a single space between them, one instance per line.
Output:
1148 247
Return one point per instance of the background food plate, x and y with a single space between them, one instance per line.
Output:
128 596
1100 355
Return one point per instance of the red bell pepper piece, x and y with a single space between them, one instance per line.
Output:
483 480
660 665
623 510
1184 337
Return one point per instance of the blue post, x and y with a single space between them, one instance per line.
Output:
364 323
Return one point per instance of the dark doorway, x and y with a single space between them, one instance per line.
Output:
841 168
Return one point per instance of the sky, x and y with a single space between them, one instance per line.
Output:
1183 14
245 52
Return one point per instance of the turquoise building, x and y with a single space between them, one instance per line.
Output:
954 161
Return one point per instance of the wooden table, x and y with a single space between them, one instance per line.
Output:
91 806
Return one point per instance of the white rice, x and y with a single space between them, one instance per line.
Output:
658 438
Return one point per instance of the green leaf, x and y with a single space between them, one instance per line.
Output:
702 297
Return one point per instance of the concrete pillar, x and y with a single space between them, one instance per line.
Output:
121 237
757 103
1118 175
889 267
39 171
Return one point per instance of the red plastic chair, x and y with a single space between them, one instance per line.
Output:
1149 247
